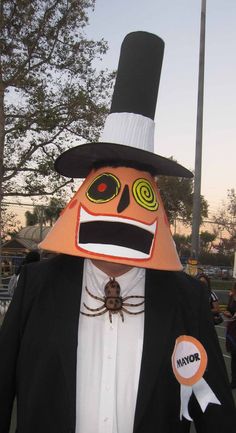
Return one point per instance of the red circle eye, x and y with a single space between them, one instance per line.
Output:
102 187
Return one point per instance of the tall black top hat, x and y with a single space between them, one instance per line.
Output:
129 128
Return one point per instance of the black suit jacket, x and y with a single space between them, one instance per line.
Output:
38 346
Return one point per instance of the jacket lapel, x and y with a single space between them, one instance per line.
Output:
159 314
67 293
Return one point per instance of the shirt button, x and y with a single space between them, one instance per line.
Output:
106 419
109 357
107 387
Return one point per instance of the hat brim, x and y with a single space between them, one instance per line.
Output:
78 161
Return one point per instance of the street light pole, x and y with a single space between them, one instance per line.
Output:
198 151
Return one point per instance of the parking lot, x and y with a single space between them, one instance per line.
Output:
218 272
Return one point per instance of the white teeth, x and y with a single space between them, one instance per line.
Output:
114 250
87 217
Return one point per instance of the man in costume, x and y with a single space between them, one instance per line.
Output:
110 336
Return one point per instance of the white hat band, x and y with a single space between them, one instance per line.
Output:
129 129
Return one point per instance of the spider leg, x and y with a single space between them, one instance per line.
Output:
134 313
122 315
93 309
133 305
133 296
93 315
93 296
110 316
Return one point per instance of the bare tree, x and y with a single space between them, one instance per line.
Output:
225 217
225 220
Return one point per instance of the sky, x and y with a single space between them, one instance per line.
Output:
177 22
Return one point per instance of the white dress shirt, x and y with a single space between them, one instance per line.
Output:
108 356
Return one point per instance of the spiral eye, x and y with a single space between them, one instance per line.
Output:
104 188
144 194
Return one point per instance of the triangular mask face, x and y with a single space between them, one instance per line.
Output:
117 215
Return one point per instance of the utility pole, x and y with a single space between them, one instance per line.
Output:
41 215
198 151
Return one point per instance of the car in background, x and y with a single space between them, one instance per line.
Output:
226 274
211 272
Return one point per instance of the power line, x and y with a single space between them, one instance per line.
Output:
24 204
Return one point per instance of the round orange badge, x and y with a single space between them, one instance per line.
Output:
189 360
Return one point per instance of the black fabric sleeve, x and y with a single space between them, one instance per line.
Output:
9 347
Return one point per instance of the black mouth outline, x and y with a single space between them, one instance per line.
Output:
115 233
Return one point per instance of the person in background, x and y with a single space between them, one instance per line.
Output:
230 313
6 267
32 256
213 299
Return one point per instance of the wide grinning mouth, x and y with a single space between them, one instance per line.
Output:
115 236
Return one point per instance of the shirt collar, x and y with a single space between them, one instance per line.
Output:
128 282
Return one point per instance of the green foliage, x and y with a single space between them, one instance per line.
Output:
53 210
206 240
183 246
52 97
182 241
177 196
45 214
216 259
33 218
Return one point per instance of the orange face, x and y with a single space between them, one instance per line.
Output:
116 215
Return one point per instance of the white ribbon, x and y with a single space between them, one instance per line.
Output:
203 394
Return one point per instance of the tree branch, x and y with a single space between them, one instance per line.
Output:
37 194
29 57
